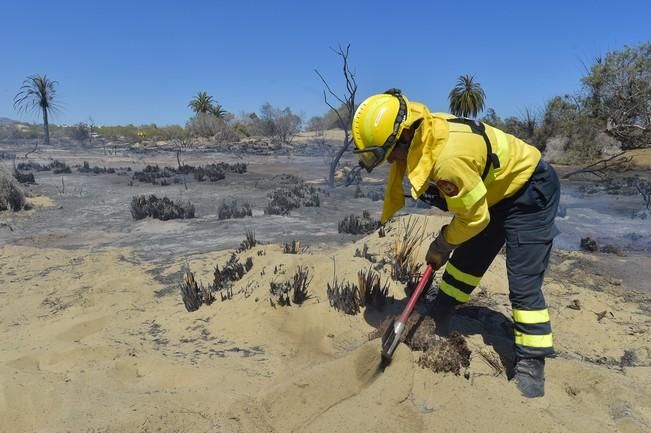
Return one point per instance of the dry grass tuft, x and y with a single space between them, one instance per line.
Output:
294 247
493 360
371 291
365 254
404 267
344 296
356 225
194 294
248 242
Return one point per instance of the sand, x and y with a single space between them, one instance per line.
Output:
92 341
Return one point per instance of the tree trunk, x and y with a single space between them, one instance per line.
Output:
46 126
335 161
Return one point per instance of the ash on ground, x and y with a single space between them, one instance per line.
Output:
439 354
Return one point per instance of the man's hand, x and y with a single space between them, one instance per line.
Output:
439 251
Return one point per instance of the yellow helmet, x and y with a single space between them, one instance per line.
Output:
377 125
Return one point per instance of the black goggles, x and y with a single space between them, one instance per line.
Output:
373 156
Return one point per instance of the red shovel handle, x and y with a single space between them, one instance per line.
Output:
416 294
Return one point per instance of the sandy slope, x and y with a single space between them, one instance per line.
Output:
91 341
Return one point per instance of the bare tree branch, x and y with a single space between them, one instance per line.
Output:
347 101
599 168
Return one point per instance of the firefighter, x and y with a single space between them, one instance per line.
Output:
499 190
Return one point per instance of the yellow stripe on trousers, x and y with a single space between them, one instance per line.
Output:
454 292
533 340
531 317
464 277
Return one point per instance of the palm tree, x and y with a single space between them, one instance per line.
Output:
37 94
218 111
467 97
202 103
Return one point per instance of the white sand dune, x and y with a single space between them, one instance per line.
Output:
90 341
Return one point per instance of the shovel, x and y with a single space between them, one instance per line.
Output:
391 336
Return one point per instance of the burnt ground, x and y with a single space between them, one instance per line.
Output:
93 211
441 355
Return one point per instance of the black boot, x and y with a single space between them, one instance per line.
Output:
530 376
441 310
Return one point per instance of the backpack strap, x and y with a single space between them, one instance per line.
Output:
480 129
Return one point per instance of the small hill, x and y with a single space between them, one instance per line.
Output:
6 121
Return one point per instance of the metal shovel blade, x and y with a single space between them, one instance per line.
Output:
390 340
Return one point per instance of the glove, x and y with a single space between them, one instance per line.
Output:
439 251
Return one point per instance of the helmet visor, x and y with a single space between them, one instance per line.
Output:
370 157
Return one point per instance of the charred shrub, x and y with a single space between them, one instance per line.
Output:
231 272
27 178
373 194
238 167
32 166
344 296
248 242
160 208
59 167
371 291
356 225
283 200
153 174
589 244
233 210
212 172
280 293
295 290
11 196
184 169
86 168
293 247
365 254
300 281
193 293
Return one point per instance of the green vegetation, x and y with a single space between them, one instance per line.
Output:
203 103
611 111
467 97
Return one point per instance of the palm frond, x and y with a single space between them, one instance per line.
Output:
467 97
37 93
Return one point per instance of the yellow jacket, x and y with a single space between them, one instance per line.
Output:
450 154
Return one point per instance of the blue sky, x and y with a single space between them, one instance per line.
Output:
141 61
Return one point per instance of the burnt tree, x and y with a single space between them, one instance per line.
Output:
347 110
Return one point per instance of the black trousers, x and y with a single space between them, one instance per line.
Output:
525 222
